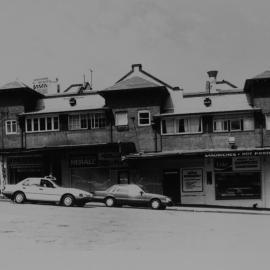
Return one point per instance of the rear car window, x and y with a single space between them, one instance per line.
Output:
32 182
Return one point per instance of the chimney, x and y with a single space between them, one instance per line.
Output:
211 85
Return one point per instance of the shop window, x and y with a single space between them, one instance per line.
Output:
121 118
235 186
144 118
11 127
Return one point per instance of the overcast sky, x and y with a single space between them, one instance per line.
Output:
175 40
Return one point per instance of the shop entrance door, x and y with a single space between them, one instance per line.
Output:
171 185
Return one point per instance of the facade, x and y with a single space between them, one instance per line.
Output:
203 148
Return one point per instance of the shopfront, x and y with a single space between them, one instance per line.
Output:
96 171
23 166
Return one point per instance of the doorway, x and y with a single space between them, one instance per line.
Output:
171 185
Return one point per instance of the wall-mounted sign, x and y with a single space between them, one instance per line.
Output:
82 161
238 153
246 163
41 85
192 180
223 164
46 86
207 102
72 102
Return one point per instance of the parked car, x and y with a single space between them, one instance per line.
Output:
130 194
45 189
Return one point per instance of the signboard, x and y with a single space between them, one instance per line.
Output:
246 163
238 153
41 85
223 164
192 180
45 86
82 161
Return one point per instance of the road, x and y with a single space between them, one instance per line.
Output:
43 236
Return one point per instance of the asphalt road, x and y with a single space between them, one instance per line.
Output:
42 236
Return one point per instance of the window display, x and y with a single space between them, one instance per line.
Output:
232 185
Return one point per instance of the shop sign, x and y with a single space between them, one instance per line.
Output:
246 163
82 161
192 180
223 164
238 154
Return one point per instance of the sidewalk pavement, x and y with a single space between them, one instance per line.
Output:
196 209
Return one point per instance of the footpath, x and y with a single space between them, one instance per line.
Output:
198 209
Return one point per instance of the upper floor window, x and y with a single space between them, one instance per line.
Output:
144 118
39 124
185 125
267 121
121 118
86 121
11 127
233 124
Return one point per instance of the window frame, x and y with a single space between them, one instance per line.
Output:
178 118
30 120
229 120
139 118
118 113
11 121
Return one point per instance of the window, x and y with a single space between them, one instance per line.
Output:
74 122
233 124
42 124
144 118
85 121
242 185
121 119
267 121
11 127
182 125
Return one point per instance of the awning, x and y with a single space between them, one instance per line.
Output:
207 153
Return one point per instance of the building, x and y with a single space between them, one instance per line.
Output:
202 148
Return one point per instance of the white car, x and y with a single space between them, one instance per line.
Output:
44 189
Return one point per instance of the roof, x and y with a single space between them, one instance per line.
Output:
263 75
135 82
63 104
226 102
15 85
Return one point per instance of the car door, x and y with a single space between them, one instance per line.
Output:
48 191
31 188
136 195
121 195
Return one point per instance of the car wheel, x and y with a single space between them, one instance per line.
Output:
110 202
155 204
68 200
19 197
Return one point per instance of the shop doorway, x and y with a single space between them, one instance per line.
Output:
171 185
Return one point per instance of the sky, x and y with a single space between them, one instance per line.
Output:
177 41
